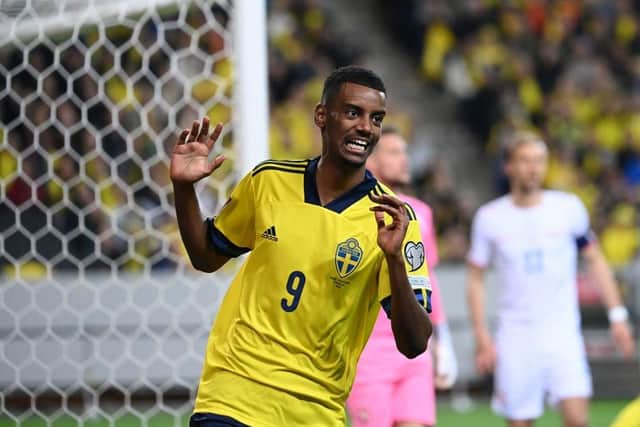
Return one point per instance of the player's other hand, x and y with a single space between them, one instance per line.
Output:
485 356
190 157
621 333
390 236
445 364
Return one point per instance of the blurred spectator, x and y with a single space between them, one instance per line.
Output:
621 238
452 211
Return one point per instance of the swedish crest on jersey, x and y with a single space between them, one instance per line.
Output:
348 256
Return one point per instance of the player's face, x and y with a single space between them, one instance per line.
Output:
527 167
350 122
389 162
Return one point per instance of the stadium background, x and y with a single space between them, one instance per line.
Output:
101 319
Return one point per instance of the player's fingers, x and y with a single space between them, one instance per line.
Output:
216 163
204 130
392 211
398 215
214 135
379 219
623 337
480 365
487 366
628 345
183 136
485 362
194 131
630 349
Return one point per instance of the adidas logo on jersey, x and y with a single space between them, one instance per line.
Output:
270 233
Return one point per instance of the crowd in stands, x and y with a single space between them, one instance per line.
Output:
566 69
87 126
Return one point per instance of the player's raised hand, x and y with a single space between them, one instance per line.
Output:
190 157
390 236
621 332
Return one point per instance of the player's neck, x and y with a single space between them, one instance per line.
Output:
526 199
333 181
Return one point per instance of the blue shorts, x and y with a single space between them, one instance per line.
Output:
204 419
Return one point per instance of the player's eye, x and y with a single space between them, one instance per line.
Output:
351 114
377 119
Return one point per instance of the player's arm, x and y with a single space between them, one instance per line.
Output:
477 260
485 350
190 163
410 322
603 276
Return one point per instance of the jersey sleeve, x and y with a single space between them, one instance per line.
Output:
417 271
232 232
428 233
580 223
480 251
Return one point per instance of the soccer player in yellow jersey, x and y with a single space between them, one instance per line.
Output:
328 246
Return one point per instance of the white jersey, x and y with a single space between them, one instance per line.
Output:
534 253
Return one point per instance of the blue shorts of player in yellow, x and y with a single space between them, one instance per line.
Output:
204 419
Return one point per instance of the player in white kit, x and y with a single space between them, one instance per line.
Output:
531 237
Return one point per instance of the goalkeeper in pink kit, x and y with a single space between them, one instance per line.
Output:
390 390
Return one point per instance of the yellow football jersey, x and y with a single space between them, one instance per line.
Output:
284 346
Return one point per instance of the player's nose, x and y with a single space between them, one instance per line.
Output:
364 125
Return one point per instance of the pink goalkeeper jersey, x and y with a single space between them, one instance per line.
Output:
382 335
382 368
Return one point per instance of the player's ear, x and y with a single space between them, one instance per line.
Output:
320 116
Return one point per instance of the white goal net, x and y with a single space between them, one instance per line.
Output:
101 319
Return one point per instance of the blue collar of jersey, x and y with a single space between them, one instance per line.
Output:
343 201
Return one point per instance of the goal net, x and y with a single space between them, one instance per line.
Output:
102 319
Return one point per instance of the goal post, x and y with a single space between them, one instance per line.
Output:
250 48
101 315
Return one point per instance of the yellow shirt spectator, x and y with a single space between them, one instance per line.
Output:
439 40
620 239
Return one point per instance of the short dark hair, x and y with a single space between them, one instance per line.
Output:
350 74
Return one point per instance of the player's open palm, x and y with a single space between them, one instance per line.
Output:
190 157
390 236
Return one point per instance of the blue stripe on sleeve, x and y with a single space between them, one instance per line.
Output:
585 240
423 296
221 243
386 306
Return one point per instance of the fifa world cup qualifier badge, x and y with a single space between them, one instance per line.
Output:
414 254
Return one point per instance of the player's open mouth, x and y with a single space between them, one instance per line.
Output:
357 145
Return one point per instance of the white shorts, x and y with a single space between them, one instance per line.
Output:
532 366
